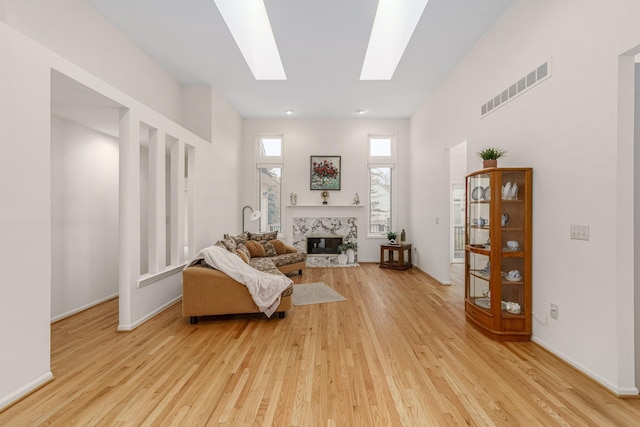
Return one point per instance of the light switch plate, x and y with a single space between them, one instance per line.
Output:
579 232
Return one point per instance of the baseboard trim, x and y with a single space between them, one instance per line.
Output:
611 387
83 308
131 327
24 391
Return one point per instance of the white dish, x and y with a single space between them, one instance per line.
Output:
477 193
487 193
514 191
513 279
506 191
510 249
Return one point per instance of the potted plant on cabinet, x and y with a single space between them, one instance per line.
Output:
391 236
490 156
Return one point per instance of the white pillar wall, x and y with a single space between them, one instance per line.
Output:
129 259
177 203
131 279
157 201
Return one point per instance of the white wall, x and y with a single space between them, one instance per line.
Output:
346 138
84 217
567 130
26 220
77 32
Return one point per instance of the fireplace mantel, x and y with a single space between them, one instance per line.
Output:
325 206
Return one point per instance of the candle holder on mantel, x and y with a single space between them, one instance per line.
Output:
325 195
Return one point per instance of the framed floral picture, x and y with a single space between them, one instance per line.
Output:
325 172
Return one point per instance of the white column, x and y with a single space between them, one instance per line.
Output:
177 203
157 199
129 268
191 155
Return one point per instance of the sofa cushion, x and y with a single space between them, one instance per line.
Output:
265 265
286 259
290 249
263 237
243 256
229 243
242 248
255 249
240 238
269 249
280 246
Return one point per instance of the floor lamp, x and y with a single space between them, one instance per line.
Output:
254 216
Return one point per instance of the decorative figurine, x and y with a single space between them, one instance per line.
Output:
356 199
293 198
325 195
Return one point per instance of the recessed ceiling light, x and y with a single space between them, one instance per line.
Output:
361 112
288 112
249 25
392 29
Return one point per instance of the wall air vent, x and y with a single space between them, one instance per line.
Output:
522 85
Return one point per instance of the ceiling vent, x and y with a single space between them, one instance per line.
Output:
527 82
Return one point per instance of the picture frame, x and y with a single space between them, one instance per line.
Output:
325 172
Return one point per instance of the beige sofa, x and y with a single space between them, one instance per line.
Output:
207 291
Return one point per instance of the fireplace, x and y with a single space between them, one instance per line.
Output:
329 232
323 245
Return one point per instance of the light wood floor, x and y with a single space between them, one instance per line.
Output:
398 352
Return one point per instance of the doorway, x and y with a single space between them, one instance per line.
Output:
84 197
457 172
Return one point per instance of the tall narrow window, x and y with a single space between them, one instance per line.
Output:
270 198
380 200
269 163
381 170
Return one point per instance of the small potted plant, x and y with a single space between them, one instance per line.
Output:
391 236
490 156
349 248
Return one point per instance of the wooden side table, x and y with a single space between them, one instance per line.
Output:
393 262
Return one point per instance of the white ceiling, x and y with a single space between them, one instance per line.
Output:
322 44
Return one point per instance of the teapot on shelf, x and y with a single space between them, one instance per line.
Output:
480 222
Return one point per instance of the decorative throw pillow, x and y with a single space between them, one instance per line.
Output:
240 238
241 247
229 243
221 244
242 256
255 248
263 237
279 245
269 249
290 249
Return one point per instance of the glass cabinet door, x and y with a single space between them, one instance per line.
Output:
478 213
512 223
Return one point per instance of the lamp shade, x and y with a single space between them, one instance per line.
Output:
253 216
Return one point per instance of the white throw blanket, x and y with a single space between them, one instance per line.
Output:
265 288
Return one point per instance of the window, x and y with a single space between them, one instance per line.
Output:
381 170
270 201
269 163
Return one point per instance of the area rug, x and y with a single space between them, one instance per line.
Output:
314 293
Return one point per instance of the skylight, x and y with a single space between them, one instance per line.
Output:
393 27
249 25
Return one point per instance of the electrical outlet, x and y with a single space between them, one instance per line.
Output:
554 311
579 232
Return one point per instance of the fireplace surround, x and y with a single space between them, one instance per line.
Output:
319 230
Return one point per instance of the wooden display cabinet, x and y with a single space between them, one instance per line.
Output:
498 252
